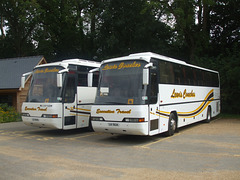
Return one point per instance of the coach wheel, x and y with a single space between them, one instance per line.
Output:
172 125
209 116
90 128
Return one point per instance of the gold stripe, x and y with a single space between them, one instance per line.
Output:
199 106
79 115
83 109
168 113
200 111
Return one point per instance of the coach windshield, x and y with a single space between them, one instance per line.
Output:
121 82
43 87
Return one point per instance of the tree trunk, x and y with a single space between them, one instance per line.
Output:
2 30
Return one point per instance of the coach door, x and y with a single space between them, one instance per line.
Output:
153 99
69 102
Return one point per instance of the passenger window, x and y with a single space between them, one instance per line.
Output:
95 79
166 72
82 79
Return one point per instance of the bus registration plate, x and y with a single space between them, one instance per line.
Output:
113 124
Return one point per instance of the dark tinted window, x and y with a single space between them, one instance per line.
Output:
171 73
82 72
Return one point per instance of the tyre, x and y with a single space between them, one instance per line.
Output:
172 125
90 128
209 115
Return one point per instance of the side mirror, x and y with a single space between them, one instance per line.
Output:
90 76
60 77
146 73
23 82
90 79
145 76
23 79
59 80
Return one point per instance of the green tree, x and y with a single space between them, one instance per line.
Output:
20 18
60 34
225 27
130 26
190 21
223 52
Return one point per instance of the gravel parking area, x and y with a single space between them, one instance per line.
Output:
199 151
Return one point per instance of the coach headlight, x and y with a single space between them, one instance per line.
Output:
50 116
97 119
133 120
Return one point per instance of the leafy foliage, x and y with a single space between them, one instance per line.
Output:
21 19
130 26
8 114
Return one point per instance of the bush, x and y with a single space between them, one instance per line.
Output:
8 114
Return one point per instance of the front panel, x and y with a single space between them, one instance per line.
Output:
120 119
42 114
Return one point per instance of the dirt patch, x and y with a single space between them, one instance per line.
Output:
218 126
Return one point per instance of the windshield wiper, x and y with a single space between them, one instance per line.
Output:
34 100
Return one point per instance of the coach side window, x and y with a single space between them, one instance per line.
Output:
82 79
189 76
163 72
166 72
178 74
200 77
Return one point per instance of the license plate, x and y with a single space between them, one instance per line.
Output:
113 124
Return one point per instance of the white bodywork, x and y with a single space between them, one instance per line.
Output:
189 103
55 114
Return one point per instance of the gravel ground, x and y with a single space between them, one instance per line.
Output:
200 151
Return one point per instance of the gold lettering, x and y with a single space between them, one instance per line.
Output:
51 70
190 94
38 71
176 94
122 65
132 65
123 112
183 95
107 67
30 109
35 109
99 111
46 70
42 109
119 111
